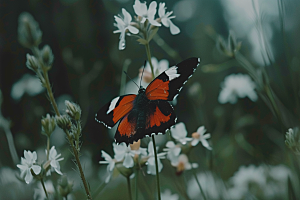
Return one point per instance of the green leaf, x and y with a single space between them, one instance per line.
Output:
142 41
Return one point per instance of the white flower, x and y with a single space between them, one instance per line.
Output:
173 152
28 84
179 133
166 19
237 86
54 157
39 193
124 24
199 136
124 152
167 195
141 10
158 66
108 160
110 166
28 163
151 161
183 164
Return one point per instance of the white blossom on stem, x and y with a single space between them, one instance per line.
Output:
173 152
124 24
179 133
28 164
151 161
200 136
166 19
54 158
147 14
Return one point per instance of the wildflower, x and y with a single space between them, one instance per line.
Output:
124 152
173 152
292 140
183 164
167 195
39 193
199 136
110 166
237 85
166 19
54 158
179 133
141 10
108 160
28 84
123 25
63 121
151 161
47 56
28 164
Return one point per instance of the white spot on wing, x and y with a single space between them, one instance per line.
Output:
112 104
172 73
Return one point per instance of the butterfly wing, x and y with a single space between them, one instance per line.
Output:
115 110
126 131
169 83
160 117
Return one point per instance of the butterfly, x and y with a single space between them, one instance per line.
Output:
149 111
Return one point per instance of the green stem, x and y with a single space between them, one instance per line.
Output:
136 184
129 187
198 183
98 190
149 59
48 147
123 76
42 181
156 168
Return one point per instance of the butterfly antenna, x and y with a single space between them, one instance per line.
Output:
131 79
143 73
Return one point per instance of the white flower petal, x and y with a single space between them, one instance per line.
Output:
28 177
174 29
36 169
128 161
205 144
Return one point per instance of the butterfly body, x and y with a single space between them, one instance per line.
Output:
148 112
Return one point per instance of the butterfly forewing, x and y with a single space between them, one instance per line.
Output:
169 83
115 110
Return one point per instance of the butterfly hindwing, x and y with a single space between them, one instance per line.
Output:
160 117
115 110
169 83
126 131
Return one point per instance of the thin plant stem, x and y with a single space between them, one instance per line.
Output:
198 183
99 189
149 58
123 76
10 140
42 181
129 187
156 168
54 105
48 146
136 184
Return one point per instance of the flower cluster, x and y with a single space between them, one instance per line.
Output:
128 157
145 25
29 167
177 153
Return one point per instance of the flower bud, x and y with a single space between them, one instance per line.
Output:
73 110
123 170
29 33
63 122
47 56
64 186
48 125
292 140
32 62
